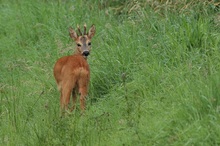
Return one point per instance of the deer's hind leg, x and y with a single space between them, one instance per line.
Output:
67 87
74 97
83 90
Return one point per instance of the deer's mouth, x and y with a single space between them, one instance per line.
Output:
85 53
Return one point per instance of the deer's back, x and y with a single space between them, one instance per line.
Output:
71 66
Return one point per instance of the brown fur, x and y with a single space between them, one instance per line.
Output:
72 72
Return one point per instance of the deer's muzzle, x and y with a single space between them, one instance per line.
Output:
85 53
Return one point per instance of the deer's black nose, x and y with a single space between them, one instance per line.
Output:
86 53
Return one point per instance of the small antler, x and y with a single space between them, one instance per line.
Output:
85 29
80 33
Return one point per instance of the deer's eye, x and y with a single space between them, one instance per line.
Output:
78 45
89 43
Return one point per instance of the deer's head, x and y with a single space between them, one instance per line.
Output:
83 40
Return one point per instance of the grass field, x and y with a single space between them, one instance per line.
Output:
155 73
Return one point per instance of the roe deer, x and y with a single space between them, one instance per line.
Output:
72 72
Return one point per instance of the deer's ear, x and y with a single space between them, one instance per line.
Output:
91 32
72 33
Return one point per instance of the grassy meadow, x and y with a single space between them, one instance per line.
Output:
155 73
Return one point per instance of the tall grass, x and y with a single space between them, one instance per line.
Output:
154 73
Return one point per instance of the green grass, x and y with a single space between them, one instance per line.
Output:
155 73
